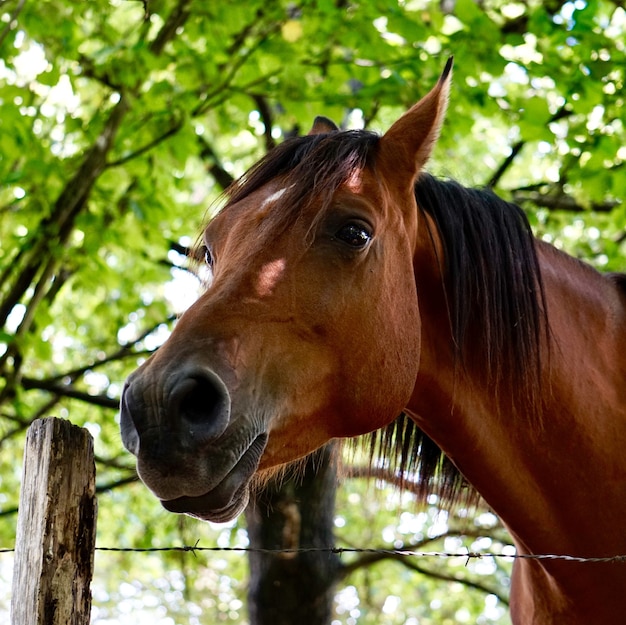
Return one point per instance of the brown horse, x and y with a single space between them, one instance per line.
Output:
349 287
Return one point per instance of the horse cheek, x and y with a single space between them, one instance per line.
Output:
404 350
393 352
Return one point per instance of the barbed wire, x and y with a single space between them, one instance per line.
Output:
467 555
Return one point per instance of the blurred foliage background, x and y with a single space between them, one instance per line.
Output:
121 122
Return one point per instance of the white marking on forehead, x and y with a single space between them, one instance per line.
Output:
272 199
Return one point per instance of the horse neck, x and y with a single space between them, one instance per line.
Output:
540 475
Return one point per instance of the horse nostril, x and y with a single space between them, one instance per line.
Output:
202 398
202 403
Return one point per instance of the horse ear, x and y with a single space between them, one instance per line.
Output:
407 145
323 125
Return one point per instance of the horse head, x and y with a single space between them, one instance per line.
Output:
310 327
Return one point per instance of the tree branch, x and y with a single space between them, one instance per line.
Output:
384 475
508 161
24 424
125 351
67 390
517 148
174 21
384 553
117 483
396 479
563 202
11 24
99 489
57 227
146 148
229 71
267 119
449 577
369 559
222 177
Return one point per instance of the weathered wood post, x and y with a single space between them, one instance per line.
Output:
56 527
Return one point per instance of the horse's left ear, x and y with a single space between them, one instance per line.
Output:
407 145
323 125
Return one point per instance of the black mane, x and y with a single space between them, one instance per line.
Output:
496 304
491 277
493 283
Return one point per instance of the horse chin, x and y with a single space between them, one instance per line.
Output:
229 498
204 507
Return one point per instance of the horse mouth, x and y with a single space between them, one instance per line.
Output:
228 499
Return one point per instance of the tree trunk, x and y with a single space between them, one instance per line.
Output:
288 588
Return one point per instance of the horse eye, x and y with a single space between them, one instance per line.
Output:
355 235
208 256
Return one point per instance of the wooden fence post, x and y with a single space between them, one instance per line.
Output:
56 527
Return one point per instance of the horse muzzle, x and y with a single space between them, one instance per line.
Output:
190 452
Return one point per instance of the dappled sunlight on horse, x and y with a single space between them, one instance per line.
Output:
349 287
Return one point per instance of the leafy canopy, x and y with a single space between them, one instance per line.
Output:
122 121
